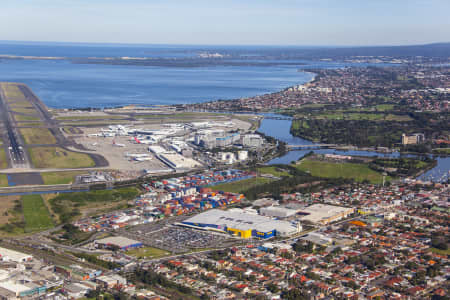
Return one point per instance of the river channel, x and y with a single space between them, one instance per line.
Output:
280 129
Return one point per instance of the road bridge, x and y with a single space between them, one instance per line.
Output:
312 146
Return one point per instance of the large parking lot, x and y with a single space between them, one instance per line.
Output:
178 239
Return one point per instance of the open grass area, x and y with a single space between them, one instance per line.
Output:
35 213
28 110
3 180
440 252
94 117
12 91
240 186
37 136
68 206
147 252
58 158
384 107
442 150
7 203
20 118
30 124
356 171
11 216
60 177
275 171
3 160
362 116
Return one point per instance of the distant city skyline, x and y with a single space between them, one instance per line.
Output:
231 22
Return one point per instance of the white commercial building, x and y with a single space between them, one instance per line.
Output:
277 211
178 162
252 140
324 213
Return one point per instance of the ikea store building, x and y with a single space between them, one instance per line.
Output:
242 224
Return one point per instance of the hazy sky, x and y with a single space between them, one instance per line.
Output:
263 22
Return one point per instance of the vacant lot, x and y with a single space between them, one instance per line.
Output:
7 203
35 213
67 206
358 172
3 160
59 158
37 136
240 186
60 177
147 252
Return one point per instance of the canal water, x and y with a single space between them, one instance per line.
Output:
280 129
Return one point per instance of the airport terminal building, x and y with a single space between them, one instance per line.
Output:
242 224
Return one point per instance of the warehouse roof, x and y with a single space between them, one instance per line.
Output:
14 255
319 212
241 220
277 211
119 241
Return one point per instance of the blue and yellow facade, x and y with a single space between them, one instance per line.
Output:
242 233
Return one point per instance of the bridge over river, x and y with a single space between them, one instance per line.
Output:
312 146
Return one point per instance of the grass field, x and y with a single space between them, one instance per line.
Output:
83 117
358 172
23 110
3 160
442 150
240 186
58 158
20 118
30 124
35 213
147 252
7 204
384 107
3 180
274 171
60 177
37 136
439 251
12 91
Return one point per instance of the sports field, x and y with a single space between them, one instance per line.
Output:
147 252
35 213
358 172
59 158
37 136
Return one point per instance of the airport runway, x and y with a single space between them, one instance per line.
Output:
12 142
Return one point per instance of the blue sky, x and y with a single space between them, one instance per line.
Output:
257 22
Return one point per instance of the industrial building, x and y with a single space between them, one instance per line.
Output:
242 224
120 242
178 162
277 212
324 213
15 256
